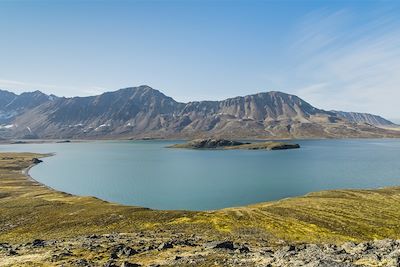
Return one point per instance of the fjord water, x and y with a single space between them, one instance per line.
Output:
145 173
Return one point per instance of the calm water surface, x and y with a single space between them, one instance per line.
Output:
145 173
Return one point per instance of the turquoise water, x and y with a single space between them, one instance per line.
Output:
145 173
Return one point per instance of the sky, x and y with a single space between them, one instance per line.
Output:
342 55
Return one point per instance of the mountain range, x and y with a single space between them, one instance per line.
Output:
143 112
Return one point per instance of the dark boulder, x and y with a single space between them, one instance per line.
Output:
330 263
38 243
222 245
4 246
127 251
165 245
82 262
12 252
243 249
122 250
130 264
36 161
63 141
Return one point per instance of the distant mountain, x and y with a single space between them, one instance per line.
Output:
143 112
12 105
364 118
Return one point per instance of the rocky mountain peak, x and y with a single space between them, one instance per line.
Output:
12 105
144 111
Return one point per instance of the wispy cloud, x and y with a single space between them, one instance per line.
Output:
11 84
22 86
342 64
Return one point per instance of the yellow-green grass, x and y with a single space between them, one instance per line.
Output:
30 210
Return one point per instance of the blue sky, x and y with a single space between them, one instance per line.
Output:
335 54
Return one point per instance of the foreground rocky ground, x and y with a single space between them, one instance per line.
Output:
42 227
152 249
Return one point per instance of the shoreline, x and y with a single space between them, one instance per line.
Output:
28 177
34 217
25 172
57 141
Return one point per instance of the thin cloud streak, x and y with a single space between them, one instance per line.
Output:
20 87
357 71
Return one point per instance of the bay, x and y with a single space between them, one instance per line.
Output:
145 173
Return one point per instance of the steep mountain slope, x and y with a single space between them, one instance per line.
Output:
5 98
139 112
12 105
364 118
270 114
129 110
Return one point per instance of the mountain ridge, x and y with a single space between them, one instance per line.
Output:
137 112
364 117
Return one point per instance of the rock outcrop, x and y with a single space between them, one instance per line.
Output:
149 249
209 143
36 161
229 144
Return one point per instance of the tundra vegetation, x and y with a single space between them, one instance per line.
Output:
40 226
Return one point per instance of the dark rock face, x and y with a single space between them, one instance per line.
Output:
36 161
286 146
144 112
